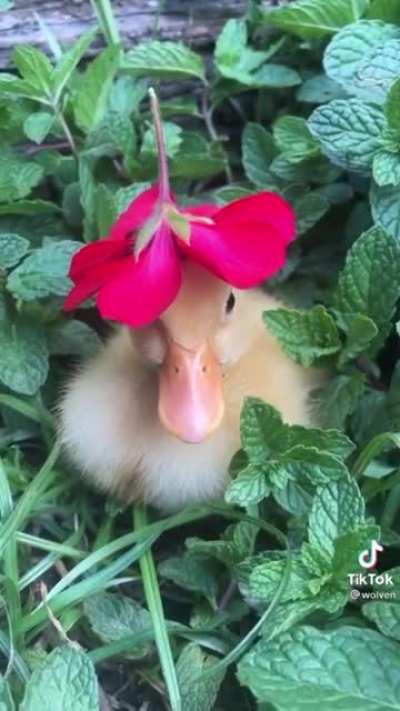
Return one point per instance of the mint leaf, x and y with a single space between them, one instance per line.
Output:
44 272
360 332
12 249
293 137
319 89
34 67
73 338
249 487
385 615
309 209
392 106
63 72
311 19
260 425
236 544
163 60
273 76
90 99
313 670
338 508
386 168
305 336
17 176
347 549
197 695
38 125
172 137
369 283
66 679
232 56
192 573
257 154
264 581
385 208
349 132
24 357
347 51
113 617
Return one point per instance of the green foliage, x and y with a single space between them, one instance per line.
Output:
302 99
66 676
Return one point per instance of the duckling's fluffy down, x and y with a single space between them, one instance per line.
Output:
110 428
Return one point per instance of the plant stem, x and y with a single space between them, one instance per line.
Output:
154 603
105 14
165 192
68 134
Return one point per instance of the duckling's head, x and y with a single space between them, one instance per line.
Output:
192 344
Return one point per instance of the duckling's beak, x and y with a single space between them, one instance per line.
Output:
190 403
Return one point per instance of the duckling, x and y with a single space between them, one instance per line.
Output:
155 415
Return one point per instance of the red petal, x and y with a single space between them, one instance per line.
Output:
90 283
267 208
243 258
95 254
205 210
146 288
136 214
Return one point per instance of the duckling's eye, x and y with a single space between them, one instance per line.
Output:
230 304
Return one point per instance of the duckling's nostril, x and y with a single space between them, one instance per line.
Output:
204 369
176 369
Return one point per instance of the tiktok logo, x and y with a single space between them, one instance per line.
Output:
369 558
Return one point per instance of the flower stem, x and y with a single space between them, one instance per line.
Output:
154 603
163 176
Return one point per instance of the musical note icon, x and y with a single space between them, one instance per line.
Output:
369 557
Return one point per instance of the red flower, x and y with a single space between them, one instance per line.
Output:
136 270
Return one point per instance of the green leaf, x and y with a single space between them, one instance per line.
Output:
233 58
349 51
38 125
307 462
113 617
73 338
34 67
385 615
347 549
17 176
393 398
66 679
387 10
90 99
339 399
24 357
260 425
264 581
369 283
294 139
313 670
257 154
309 19
249 487
349 132
319 89
273 76
392 106
69 61
360 332
386 168
44 272
338 508
193 574
172 137
305 336
163 60
385 208
377 71
6 700
310 208
197 695
28 207
12 249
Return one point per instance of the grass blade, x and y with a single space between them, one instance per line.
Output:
154 603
